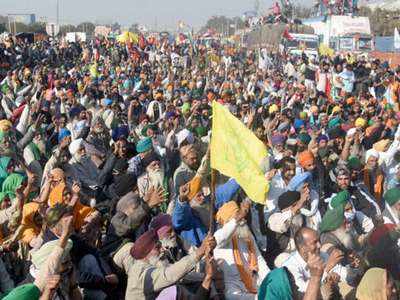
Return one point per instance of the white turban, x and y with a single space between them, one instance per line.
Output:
371 152
75 146
184 135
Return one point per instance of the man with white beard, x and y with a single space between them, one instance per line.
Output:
243 265
338 233
147 277
154 178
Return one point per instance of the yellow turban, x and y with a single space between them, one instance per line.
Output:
5 125
273 108
336 109
360 122
227 212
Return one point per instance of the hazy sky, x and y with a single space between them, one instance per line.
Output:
164 12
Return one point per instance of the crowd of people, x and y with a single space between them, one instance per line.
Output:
105 185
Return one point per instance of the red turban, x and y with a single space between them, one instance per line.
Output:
144 244
380 232
161 224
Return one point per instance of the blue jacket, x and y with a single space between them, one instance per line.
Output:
187 225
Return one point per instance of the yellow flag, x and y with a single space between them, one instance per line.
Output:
236 152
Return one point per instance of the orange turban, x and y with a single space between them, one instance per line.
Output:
194 186
305 158
80 211
31 230
227 212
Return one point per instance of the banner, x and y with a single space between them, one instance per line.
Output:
236 152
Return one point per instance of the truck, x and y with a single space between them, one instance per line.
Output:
343 33
300 43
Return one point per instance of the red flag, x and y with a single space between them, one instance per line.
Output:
287 35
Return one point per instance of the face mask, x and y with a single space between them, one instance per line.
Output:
349 216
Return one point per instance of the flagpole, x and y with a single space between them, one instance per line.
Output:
211 229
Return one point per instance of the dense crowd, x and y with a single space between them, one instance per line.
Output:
105 185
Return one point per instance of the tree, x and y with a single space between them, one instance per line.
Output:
87 27
223 25
134 28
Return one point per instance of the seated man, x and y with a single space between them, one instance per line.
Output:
243 265
308 245
146 276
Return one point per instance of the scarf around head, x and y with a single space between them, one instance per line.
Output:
276 286
373 285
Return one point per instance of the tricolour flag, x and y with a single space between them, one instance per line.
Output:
236 152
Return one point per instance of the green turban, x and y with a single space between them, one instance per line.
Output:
354 163
340 199
144 145
12 183
392 196
335 122
332 219
24 292
201 131
304 138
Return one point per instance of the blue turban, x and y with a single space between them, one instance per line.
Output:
120 131
63 134
225 192
298 124
322 137
297 182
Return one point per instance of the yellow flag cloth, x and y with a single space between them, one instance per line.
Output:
236 152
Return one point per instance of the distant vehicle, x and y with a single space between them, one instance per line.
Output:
344 33
302 43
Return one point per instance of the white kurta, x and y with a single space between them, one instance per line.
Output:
234 287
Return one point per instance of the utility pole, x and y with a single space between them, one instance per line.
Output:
58 12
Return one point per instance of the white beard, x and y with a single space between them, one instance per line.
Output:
345 237
168 243
156 178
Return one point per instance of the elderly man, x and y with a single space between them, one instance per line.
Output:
391 213
154 177
373 176
308 245
91 178
187 169
242 263
362 223
338 232
146 276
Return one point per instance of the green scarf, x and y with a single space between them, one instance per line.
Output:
275 286
35 150
12 183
